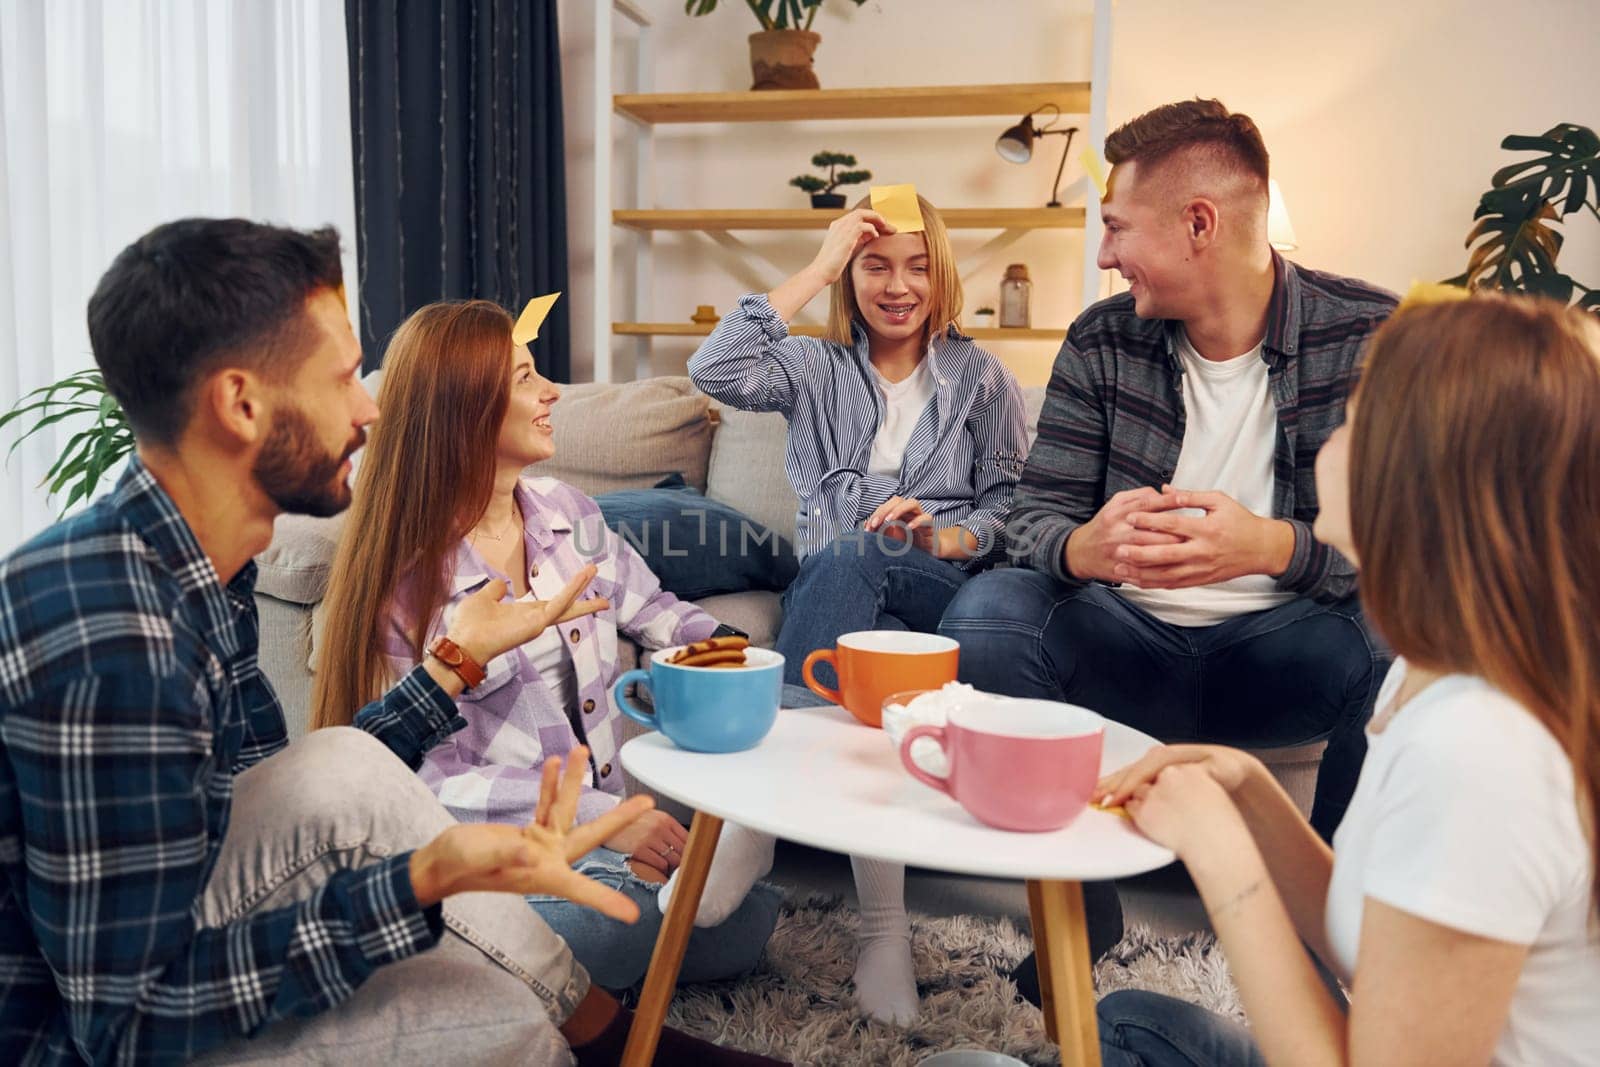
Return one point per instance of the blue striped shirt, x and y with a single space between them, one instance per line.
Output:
130 698
963 459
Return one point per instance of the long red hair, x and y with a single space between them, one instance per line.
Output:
426 477
1475 506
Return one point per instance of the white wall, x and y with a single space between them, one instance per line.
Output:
1383 119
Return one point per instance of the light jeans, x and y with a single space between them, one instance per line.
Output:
495 988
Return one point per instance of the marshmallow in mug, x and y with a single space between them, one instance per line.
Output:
932 708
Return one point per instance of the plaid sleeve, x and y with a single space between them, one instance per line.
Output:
648 613
412 717
113 773
1063 481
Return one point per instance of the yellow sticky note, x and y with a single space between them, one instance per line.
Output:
532 317
1094 168
1432 293
898 205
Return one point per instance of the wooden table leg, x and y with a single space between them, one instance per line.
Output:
676 926
1066 981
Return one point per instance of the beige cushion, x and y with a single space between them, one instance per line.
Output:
629 436
295 565
746 471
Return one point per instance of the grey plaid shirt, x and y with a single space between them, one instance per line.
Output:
1113 417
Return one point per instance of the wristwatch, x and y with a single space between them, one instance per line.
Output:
457 659
724 630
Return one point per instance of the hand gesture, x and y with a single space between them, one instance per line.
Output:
656 839
1184 809
1228 541
486 857
1091 552
1229 766
846 234
485 624
902 518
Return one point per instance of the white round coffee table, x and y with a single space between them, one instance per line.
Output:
822 779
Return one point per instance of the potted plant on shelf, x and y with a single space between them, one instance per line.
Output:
822 189
1515 236
983 318
781 52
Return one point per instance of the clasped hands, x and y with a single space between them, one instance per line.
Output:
901 518
1142 538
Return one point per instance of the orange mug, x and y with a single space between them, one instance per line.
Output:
872 664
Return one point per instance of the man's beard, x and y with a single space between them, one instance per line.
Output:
294 471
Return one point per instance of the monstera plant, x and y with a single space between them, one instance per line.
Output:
1516 241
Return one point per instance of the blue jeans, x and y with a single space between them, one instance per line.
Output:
862 582
617 954
1287 676
1140 1029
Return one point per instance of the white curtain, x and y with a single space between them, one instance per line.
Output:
121 114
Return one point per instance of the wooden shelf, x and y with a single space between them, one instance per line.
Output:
695 329
938 101
956 218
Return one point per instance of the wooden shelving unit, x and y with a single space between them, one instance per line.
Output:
788 105
958 218
645 110
696 329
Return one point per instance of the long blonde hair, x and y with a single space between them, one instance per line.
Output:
1475 506
944 283
425 479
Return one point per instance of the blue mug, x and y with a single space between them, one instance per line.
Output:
708 709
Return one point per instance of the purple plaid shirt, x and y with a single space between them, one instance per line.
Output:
489 772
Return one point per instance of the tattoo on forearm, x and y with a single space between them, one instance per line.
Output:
1232 904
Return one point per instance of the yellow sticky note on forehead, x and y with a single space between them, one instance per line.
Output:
898 205
532 317
1095 169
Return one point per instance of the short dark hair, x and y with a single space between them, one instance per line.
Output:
1230 138
178 300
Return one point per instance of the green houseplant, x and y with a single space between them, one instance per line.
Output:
822 189
92 451
1515 242
782 50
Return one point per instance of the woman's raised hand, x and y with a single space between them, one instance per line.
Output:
485 625
846 234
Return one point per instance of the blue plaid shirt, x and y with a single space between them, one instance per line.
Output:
129 700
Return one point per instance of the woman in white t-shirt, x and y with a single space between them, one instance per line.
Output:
1458 902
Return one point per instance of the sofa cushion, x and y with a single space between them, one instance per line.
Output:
295 566
746 470
695 546
629 436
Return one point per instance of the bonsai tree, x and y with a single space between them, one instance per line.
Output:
1515 243
787 15
816 186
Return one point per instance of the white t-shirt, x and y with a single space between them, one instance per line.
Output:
903 404
1465 816
1229 437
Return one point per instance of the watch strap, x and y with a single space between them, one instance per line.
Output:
458 659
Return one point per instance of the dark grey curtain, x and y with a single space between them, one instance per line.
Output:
455 112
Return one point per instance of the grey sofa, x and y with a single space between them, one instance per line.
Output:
610 437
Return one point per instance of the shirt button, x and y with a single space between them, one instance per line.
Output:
574 635
588 706
816 511
533 571
605 772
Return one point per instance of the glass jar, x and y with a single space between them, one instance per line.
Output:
1015 290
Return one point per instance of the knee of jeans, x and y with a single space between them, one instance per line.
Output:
1128 1007
1000 601
351 781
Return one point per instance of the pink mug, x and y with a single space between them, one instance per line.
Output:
1016 764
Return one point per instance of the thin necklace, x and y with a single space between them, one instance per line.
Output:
480 531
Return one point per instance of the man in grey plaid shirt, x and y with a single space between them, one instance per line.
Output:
176 880
1166 574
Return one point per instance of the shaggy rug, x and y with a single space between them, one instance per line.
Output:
799 1005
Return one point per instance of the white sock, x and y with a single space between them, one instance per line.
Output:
886 984
742 857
